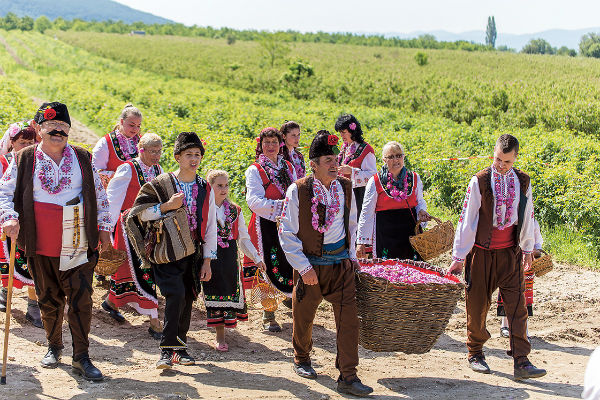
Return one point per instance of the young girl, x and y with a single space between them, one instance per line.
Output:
291 137
178 279
224 294
18 136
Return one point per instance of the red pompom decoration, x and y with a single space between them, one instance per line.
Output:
49 113
332 140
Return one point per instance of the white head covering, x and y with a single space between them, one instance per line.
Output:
10 133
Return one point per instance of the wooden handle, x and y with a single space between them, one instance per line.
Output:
11 273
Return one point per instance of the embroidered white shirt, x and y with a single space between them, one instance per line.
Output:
289 225
71 190
243 237
466 230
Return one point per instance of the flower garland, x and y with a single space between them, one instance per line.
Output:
128 145
331 210
225 231
273 172
504 195
298 163
398 195
45 171
347 152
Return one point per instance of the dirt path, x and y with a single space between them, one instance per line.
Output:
565 330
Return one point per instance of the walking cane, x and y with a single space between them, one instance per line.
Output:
11 273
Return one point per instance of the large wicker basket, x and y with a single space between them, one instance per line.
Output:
404 317
110 260
264 295
542 265
434 241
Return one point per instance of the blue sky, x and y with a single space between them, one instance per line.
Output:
512 16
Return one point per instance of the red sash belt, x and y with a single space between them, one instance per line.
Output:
48 222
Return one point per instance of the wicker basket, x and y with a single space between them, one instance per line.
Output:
435 241
264 294
109 261
542 265
404 317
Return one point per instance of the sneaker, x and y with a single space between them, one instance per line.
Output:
52 358
504 332
355 387
271 326
305 370
165 359
478 364
526 370
182 357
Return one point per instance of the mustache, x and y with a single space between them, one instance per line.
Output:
56 132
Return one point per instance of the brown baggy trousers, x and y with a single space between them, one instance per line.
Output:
52 287
485 271
336 285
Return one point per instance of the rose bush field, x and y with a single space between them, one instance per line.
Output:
562 161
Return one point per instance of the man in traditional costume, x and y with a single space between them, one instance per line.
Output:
53 203
494 240
317 233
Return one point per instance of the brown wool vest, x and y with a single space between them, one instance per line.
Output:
483 237
23 198
312 240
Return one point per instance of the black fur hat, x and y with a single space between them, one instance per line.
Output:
187 140
54 111
324 144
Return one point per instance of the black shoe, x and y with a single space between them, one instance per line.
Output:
33 314
478 364
182 357
116 315
166 355
354 387
52 358
526 370
287 303
155 334
271 326
504 332
86 369
304 370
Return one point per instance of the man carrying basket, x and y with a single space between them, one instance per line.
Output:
317 233
494 240
53 203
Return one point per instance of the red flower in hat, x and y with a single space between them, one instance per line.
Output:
49 113
258 140
332 140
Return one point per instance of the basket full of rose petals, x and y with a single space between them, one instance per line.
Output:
404 305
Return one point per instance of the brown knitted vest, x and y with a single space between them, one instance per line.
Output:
23 198
483 238
312 240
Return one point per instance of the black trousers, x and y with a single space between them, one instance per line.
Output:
175 282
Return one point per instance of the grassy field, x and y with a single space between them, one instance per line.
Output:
190 84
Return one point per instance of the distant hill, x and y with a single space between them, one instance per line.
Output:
556 37
88 10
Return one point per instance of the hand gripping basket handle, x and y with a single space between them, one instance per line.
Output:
436 219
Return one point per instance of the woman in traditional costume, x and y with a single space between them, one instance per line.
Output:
266 183
357 158
392 207
180 278
224 294
291 137
132 284
18 136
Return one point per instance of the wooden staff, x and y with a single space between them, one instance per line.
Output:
11 273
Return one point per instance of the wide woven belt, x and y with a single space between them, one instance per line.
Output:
335 252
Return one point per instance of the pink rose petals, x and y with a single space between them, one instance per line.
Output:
398 272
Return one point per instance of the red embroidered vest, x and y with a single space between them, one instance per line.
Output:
386 202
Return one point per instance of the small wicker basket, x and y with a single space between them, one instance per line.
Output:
434 241
404 317
264 294
542 265
109 261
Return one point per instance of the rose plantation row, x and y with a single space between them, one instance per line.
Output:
564 166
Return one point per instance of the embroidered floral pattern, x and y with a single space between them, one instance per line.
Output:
275 263
505 195
465 205
298 163
125 148
281 177
331 209
225 232
46 171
